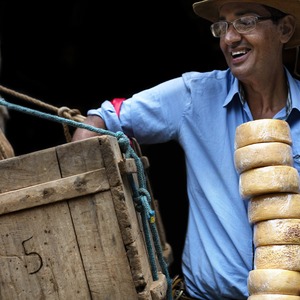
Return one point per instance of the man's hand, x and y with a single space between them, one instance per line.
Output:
81 134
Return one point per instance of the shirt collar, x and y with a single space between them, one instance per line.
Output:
234 89
294 94
293 100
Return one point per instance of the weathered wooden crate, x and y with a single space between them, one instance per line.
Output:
69 229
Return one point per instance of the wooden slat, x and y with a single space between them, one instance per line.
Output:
29 169
128 219
53 191
159 288
103 253
39 257
79 157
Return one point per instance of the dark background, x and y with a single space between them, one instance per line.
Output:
80 53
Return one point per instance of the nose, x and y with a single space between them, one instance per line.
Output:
231 36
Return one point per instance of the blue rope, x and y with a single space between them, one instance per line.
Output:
141 195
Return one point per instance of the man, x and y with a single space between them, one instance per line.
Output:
201 111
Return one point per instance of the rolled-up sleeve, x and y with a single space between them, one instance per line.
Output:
151 116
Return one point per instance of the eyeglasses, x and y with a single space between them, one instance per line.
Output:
241 25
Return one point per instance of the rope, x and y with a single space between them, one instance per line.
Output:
73 114
141 196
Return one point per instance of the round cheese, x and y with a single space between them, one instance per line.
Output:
285 257
273 297
277 232
262 155
271 179
273 281
263 130
274 206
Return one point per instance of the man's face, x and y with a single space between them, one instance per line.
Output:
251 53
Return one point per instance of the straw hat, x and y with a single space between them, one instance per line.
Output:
209 10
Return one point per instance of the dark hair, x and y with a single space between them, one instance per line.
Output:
275 13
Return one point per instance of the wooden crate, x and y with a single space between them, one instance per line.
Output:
69 228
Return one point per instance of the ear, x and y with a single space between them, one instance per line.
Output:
287 27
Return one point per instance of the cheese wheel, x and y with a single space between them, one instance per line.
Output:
285 257
263 130
277 232
274 206
262 155
273 281
271 179
273 297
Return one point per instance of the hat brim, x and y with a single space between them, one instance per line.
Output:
209 10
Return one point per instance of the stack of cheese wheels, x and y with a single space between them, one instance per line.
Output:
263 158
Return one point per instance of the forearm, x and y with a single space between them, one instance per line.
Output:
81 133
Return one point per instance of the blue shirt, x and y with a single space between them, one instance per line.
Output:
201 111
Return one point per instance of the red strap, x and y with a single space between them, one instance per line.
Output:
117 102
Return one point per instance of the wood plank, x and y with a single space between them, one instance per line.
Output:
39 257
53 191
159 288
128 166
112 157
103 253
128 219
80 156
29 169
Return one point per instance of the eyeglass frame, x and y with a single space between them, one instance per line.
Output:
233 23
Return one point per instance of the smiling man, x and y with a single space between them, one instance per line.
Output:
201 111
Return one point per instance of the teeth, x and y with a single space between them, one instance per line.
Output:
238 52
